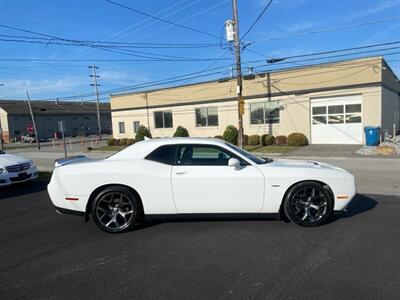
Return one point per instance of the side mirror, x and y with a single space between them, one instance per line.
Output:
234 162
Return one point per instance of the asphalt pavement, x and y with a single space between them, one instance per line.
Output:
44 255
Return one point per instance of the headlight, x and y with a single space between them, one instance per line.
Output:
2 170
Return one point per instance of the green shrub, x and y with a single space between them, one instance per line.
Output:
116 142
281 140
267 139
219 137
141 133
231 134
130 142
254 140
245 140
110 142
181 132
297 139
123 142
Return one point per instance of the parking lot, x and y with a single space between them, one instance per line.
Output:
44 255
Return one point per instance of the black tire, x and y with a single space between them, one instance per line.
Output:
116 209
308 204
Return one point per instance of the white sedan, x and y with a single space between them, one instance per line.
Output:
192 177
14 169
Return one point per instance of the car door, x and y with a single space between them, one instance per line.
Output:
202 181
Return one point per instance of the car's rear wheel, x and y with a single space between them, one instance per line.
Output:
116 209
308 204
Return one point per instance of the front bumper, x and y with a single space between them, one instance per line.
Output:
345 194
18 177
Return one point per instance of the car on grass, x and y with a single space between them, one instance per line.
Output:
15 169
191 177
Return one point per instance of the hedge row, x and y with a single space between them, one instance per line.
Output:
120 142
294 139
230 135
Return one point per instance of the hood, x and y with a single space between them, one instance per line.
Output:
7 160
304 164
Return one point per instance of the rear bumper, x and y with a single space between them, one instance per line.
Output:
11 178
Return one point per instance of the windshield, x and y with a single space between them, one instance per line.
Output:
256 159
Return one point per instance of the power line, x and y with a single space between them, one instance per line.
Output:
113 60
344 55
163 20
184 77
256 20
351 26
43 40
344 50
77 42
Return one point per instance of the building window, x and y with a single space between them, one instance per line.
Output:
319 115
264 112
206 116
136 125
121 126
87 117
163 119
336 114
353 113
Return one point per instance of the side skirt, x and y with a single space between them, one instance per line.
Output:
65 211
214 216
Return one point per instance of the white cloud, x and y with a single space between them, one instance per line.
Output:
298 27
379 7
287 4
37 86
290 52
112 75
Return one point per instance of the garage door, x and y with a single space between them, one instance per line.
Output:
336 120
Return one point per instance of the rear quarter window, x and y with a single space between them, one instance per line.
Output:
163 154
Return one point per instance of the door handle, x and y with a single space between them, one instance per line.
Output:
180 172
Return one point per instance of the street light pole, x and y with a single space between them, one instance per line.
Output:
239 82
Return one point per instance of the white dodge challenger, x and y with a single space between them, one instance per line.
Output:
196 177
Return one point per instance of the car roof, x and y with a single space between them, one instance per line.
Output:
143 148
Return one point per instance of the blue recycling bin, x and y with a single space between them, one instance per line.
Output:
372 135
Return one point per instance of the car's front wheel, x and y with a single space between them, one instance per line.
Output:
116 209
308 204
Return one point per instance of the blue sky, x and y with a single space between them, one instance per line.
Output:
100 20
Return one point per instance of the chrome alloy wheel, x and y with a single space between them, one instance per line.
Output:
309 204
115 211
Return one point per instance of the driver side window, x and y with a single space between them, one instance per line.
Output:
202 155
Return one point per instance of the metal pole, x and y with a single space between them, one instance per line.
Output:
1 128
147 109
238 73
33 121
63 137
95 84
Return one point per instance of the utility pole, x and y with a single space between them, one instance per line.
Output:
96 85
33 121
1 128
238 73
147 109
